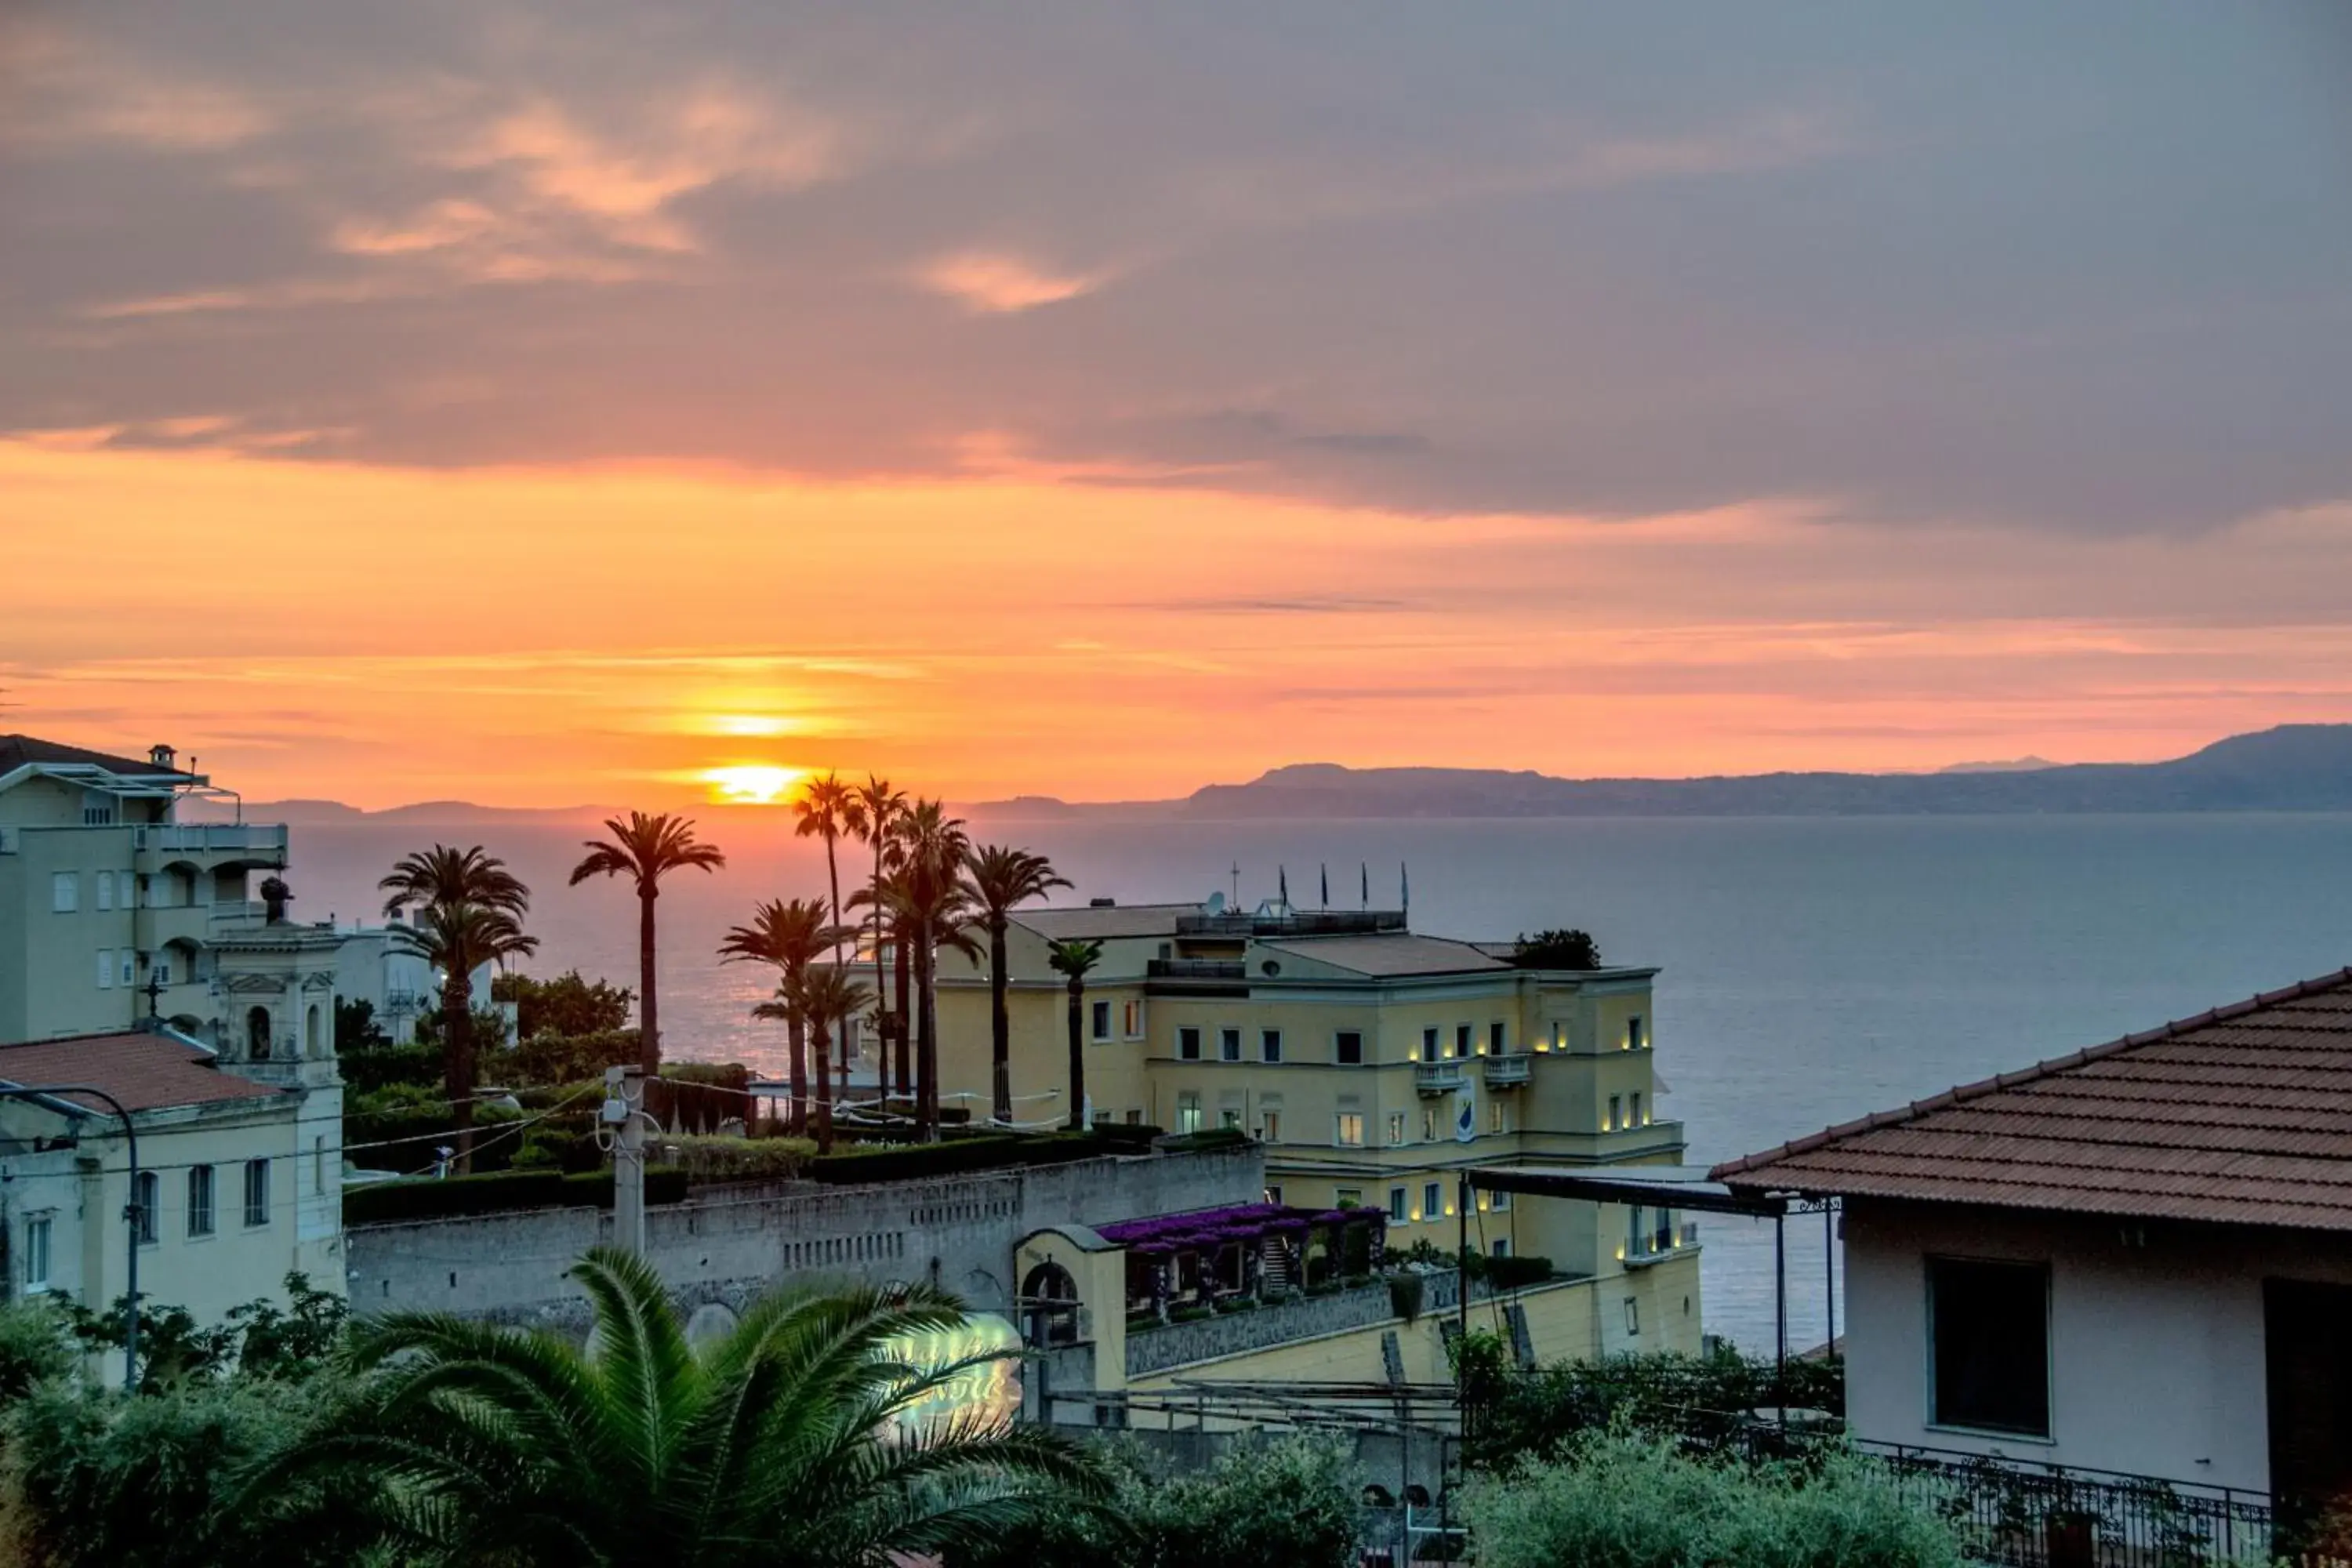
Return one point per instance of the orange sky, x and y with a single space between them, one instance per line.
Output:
559 636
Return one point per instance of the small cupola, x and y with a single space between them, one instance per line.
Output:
163 756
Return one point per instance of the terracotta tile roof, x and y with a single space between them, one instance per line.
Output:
2242 1115
146 1072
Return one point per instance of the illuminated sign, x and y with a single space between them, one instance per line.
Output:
988 1393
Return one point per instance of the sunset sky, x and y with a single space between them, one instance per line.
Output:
545 404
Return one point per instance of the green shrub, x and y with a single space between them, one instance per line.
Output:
1124 1136
1702 1398
387 1202
34 1346
1286 1502
714 1159
921 1161
1206 1139
551 1059
1620 1500
382 1067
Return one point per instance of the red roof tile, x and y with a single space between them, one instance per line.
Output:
144 1072
2241 1115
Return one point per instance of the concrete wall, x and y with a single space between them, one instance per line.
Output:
2156 1335
726 1244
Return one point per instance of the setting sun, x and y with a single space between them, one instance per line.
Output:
752 783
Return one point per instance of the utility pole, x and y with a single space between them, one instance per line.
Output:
624 1097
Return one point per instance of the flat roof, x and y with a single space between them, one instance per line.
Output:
1660 1186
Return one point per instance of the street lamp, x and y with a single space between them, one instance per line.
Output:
130 1211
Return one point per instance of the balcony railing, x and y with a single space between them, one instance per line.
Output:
1440 1076
1195 969
201 836
1657 1246
1507 1069
1298 923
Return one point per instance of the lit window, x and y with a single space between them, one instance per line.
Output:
1558 1034
65 891
1989 1326
1396 1205
1188 1113
1269 1045
1131 1019
1229 1045
147 1197
37 1254
1188 1042
1352 1130
200 1200
1348 1048
1102 1020
1396 1127
257 1192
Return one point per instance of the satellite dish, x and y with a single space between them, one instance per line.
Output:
1215 904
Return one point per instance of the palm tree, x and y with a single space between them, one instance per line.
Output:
646 848
790 935
813 999
872 813
442 875
996 879
911 906
457 939
929 848
1074 959
823 808
797 1437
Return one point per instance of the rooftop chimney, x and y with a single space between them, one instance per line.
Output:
161 755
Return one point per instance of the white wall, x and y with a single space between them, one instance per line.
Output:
2156 1360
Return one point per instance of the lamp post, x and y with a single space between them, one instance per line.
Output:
131 1210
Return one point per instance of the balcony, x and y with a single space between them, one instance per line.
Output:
1226 968
1440 1076
1298 923
1509 1069
212 837
1659 1246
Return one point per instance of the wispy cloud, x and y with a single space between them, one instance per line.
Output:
996 283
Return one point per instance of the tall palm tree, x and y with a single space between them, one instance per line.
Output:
797 1437
458 938
789 935
813 999
922 914
996 877
823 808
872 813
928 847
1074 959
442 875
646 849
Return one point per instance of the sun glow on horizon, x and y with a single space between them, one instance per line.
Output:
752 784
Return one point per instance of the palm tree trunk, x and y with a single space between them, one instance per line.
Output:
458 1058
999 1026
901 955
927 1038
798 1116
823 1092
881 1010
1077 1055
833 878
648 1006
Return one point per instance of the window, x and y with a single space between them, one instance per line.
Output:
1558 1034
1495 1116
1131 1018
1269 1045
105 968
1188 1042
105 890
1352 1130
1188 1113
1461 1039
1102 1020
37 1254
1229 1045
163 970
1269 1126
98 817
1633 1116
1502 1204
1428 1044
1396 1128
1346 1197
1988 1324
200 1200
1396 1205
1135 1117
1502 1247
147 1197
1348 1048
1432 1200
1495 1037
1637 1237
1615 1115
1633 1317
1274 1196
122 967
257 1192
1428 1125
1230 1117
1633 1040
65 891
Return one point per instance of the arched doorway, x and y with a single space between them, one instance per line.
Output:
1049 1306
257 1034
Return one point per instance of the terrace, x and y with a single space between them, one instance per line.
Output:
1185 1266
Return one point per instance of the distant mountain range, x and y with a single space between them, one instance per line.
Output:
332 813
2296 767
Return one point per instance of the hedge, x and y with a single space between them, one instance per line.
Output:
379 1067
1207 1138
919 1162
502 1191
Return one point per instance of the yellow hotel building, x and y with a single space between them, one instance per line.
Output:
1372 1061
